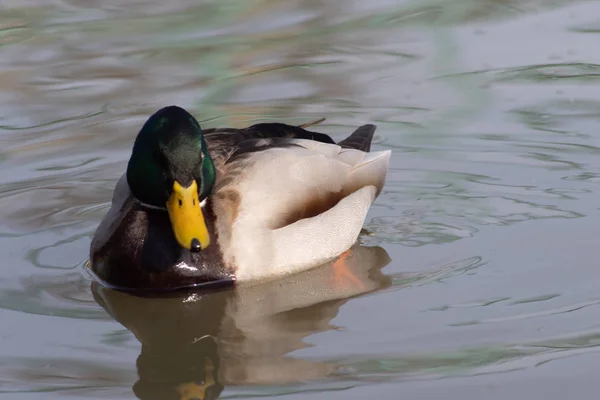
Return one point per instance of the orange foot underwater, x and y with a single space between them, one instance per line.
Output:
342 275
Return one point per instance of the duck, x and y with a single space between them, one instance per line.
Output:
231 205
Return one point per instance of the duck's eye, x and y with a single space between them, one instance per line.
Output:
180 203
193 202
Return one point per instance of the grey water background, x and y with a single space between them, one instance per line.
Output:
478 273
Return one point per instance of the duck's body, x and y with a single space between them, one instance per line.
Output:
276 199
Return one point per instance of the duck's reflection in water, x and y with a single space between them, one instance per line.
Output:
195 343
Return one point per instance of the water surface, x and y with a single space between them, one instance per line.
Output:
477 272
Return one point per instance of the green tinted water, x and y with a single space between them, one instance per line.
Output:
478 278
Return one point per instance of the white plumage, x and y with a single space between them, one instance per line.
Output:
340 184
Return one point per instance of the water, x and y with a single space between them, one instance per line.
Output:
477 275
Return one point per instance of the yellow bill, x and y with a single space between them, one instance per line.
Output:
186 216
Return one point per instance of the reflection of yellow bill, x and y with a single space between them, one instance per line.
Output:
191 390
186 216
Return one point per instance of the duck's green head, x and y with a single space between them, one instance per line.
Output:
170 168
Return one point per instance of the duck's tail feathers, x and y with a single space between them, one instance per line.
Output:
360 139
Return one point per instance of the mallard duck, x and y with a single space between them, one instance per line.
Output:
224 205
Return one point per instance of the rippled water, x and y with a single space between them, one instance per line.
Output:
477 270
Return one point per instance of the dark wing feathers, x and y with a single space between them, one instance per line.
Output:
254 145
230 136
279 130
229 143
